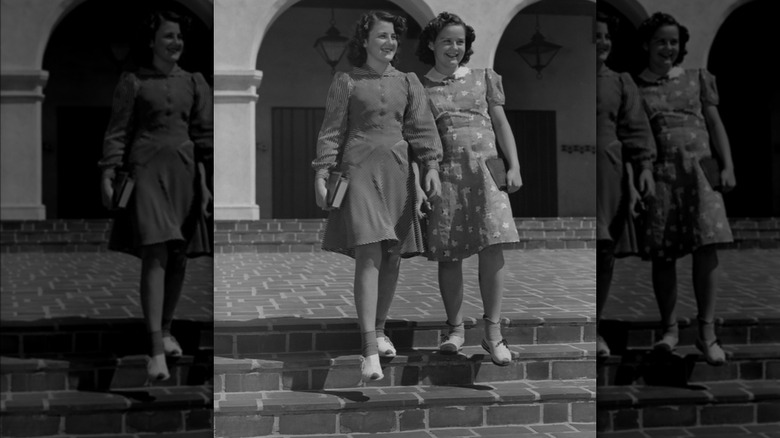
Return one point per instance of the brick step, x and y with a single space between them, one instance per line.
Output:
548 430
58 338
291 371
686 365
131 411
732 330
238 339
98 373
715 403
768 430
396 409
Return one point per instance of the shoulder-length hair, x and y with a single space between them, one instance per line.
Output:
147 30
650 26
431 31
356 53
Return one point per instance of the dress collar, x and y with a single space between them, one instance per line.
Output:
435 76
389 71
649 76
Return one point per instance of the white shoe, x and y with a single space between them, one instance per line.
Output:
385 346
370 369
602 349
157 369
171 347
451 344
499 352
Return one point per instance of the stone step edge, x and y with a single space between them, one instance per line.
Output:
128 399
9 365
368 398
736 352
330 324
295 361
711 393
98 324
708 431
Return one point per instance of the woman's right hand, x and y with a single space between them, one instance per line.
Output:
321 193
423 205
107 192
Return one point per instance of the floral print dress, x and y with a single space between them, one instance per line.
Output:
471 213
686 212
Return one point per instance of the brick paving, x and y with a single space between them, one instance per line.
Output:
95 285
539 283
749 286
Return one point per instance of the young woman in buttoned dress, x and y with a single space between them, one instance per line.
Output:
472 216
686 216
163 115
624 143
374 115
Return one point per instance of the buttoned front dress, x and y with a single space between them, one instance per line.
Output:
166 121
472 212
623 135
375 119
686 212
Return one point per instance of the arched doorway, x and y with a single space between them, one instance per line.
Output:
552 116
85 55
744 59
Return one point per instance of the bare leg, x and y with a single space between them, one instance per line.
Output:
605 266
368 259
451 289
665 288
705 270
174 281
388 280
154 259
491 283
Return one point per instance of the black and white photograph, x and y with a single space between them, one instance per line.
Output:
107 229
405 206
688 268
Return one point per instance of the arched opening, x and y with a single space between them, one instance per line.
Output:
84 57
552 116
291 98
744 62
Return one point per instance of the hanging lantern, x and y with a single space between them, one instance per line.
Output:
331 46
539 52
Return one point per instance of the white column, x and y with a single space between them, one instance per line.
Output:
21 102
235 97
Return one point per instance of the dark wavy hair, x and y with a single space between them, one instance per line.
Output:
148 29
612 22
356 53
431 31
650 26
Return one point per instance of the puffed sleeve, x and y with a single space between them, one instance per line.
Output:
494 88
119 132
419 128
709 91
334 125
633 128
202 121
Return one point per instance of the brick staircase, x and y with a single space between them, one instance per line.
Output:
58 380
642 393
292 377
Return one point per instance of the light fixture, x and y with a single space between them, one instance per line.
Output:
539 52
331 46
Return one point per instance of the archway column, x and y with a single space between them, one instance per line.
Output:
235 97
21 103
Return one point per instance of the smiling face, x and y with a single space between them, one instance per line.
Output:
449 48
168 44
603 42
381 44
663 49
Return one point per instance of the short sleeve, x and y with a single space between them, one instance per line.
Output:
119 131
334 126
495 88
419 128
709 90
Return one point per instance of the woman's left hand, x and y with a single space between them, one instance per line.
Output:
728 179
205 200
513 180
432 183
